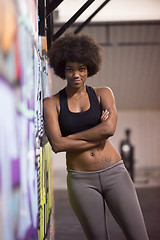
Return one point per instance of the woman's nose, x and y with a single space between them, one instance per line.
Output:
76 73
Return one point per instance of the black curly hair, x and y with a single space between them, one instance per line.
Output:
75 48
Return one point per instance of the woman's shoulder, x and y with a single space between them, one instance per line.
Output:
105 95
51 100
103 90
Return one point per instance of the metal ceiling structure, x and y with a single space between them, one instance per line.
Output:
90 18
46 9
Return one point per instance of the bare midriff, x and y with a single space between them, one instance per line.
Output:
101 157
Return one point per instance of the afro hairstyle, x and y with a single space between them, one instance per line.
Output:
75 48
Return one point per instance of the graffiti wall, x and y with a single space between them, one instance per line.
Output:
25 194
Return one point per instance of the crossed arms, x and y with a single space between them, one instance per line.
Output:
84 140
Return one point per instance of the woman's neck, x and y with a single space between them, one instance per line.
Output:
75 93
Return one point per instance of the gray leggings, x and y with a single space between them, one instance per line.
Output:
89 191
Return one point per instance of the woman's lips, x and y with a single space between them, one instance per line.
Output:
76 81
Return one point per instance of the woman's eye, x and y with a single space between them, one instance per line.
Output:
69 70
82 69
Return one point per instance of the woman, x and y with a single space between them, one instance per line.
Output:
80 120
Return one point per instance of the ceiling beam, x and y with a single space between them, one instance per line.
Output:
72 19
41 22
45 11
52 6
90 18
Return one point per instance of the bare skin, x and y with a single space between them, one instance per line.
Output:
89 150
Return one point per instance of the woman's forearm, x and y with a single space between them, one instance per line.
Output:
66 144
98 133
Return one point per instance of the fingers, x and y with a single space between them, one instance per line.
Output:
105 115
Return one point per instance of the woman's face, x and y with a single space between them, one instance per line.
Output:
76 74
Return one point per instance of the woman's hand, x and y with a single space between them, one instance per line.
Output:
105 115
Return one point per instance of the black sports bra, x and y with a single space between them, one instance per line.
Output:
72 122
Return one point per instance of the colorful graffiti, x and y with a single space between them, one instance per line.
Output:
25 193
